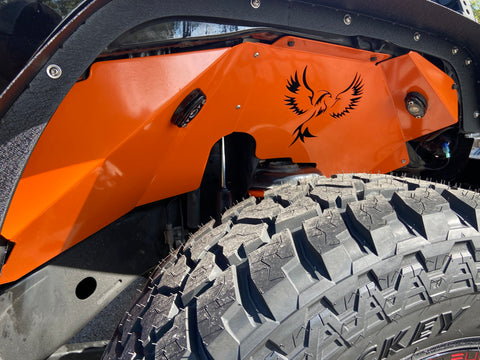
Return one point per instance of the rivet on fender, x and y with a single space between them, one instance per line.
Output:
54 71
255 4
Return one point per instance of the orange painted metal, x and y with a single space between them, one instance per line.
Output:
111 146
410 73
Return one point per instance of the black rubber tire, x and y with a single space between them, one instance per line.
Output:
350 267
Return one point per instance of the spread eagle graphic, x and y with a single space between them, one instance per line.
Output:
310 104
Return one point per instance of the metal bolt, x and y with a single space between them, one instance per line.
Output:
455 50
476 114
468 61
404 161
54 71
255 3
256 54
417 36
237 107
347 19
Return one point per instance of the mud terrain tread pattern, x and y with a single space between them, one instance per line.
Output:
382 248
466 203
294 215
265 212
325 239
208 237
424 209
234 211
212 306
376 221
242 239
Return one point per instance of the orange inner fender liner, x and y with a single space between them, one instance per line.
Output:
111 145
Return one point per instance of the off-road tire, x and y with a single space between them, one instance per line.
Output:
350 267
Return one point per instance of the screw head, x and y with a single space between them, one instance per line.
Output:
476 114
347 19
54 71
256 54
238 107
255 3
468 61
417 36
455 50
404 161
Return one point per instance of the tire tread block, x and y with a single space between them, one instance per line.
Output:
384 186
466 203
372 218
233 212
243 238
325 235
266 211
211 308
266 270
173 277
291 194
203 243
173 344
333 193
204 273
293 216
425 211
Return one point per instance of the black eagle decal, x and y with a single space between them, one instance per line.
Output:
309 104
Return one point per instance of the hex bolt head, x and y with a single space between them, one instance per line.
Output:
417 36
347 19
468 61
238 107
256 54
54 71
455 50
255 3
476 114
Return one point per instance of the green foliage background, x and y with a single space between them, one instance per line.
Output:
476 8
62 7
